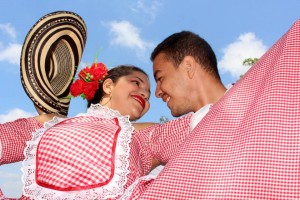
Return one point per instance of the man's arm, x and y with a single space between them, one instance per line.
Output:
166 138
161 141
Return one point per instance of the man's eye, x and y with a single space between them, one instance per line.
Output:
136 82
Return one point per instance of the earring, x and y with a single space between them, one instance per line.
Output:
110 96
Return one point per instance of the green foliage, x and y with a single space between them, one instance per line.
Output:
250 61
163 119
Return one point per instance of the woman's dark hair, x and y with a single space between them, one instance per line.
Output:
114 74
186 43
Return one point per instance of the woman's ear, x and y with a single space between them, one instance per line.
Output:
108 86
189 65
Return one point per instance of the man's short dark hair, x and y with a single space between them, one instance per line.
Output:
186 43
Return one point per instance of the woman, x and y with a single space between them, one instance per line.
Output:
105 154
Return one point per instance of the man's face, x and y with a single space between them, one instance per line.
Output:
172 85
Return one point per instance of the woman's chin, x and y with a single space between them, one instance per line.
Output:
134 117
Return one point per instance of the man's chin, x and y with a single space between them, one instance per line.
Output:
175 113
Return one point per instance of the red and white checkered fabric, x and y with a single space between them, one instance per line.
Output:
161 141
13 137
85 157
77 153
248 145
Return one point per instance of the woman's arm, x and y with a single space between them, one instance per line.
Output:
13 137
45 118
142 125
15 134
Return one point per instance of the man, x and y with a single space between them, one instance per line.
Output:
185 70
186 73
188 81
247 146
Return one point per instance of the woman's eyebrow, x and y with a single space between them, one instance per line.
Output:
142 82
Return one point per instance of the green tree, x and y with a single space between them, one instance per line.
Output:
249 62
163 119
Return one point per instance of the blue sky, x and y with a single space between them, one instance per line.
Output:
126 31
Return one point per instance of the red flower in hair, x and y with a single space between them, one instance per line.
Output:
89 89
76 88
98 70
88 82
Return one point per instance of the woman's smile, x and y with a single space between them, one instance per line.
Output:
140 100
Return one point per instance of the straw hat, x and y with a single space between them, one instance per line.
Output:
50 55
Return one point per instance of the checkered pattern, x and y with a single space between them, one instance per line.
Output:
164 140
70 149
160 141
248 145
13 137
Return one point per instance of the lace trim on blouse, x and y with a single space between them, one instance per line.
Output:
112 190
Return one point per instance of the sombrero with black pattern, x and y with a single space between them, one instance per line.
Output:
50 55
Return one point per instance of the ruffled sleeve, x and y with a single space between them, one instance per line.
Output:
13 137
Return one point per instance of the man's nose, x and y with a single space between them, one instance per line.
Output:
158 91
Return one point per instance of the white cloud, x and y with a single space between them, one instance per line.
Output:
127 35
150 8
246 46
11 53
9 30
14 114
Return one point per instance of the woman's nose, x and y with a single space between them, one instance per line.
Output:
145 94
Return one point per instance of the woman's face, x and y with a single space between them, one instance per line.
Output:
130 95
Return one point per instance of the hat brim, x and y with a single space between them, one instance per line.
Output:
50 55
